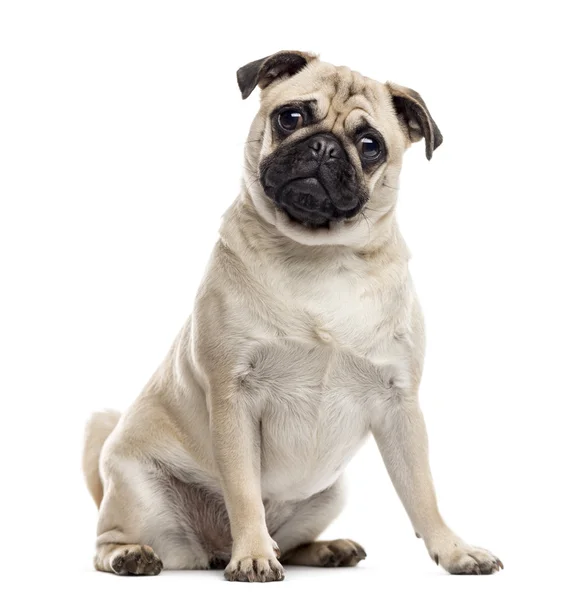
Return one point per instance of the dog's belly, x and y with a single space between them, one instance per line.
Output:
315 412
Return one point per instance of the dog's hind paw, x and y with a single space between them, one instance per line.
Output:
134 559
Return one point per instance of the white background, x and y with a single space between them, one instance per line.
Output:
121 143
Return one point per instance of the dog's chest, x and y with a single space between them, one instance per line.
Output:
334 356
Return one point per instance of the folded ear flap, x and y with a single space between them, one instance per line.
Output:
264 71
414 114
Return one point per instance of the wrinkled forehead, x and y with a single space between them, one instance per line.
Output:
339 96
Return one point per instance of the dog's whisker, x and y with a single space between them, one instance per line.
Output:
255 171
251 182
369 225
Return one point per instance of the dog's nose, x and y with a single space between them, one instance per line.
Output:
326 147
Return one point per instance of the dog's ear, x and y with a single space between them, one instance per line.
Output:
415 116
264 71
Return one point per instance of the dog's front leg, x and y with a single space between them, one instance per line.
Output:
236 445
400 433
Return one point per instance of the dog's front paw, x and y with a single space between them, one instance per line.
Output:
459 558
250 568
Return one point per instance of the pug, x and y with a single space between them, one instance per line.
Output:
306 336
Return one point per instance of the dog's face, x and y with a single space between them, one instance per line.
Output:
325 148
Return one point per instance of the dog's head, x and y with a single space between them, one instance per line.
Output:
325 149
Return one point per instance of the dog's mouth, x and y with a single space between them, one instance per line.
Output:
305 200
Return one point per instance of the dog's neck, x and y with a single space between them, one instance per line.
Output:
253 238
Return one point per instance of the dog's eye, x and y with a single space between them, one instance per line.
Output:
369 148
290 120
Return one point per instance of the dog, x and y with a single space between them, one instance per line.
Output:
306 336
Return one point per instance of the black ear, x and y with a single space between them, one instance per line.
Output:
264 71
413 112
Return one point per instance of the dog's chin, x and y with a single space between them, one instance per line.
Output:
309 220
305 201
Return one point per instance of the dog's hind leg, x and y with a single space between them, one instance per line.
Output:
297 536
139 528
140 525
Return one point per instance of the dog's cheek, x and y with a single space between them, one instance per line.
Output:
268 144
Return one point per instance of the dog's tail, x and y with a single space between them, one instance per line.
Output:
97 430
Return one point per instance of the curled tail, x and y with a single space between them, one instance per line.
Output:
97 430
